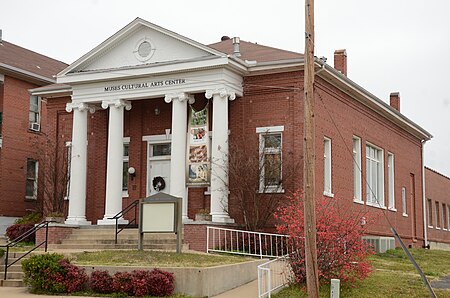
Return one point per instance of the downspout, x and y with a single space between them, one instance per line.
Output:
425 224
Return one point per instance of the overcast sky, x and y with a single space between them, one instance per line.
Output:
400 45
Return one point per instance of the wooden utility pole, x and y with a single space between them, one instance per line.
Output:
312 278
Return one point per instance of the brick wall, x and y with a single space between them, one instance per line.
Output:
56 233
437 192
196 235
19 143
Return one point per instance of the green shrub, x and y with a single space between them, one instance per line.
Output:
32 218
43 272
2 252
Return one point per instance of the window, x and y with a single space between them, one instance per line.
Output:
34 115
438 216
32 177
430 213
69 162
327 167
444 217
357 197
374 176
270 149
126 144
391 194
448 217
404 210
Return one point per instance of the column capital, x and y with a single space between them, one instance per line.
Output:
81 106
117 103
222 92
182 96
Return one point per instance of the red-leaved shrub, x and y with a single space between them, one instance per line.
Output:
161 283
341 251
141 282
101 282
17 230
75 278
122 283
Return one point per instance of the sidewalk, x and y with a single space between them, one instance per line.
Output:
249 290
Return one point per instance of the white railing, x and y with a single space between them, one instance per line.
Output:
263 245
273 275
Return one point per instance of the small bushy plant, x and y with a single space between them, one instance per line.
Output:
341 251
74 278
122 283
101 282
161 283
141 282
51 273
31 218
16 230
44 273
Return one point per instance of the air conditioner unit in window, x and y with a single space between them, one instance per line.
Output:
34 126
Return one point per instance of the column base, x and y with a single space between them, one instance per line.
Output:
222 218
111 222
78 221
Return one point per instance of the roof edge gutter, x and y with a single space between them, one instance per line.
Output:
425 135
26 74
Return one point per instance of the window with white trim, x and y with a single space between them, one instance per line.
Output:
448 217
125 158
32 179
69 163
357 170
374 176
444 217
391 188
430 213
438 216
404 211
34 118
327 191
270 156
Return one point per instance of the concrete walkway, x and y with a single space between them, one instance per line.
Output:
249 290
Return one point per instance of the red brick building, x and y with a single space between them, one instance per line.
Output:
438 209
21 120
129 102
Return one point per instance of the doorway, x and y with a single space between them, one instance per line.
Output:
158 168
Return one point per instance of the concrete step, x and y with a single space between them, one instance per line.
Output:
13 268
110 246
119 241
12 283
125 237
13 275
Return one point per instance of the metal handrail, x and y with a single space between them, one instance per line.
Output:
14 242
121 214
273 275
241 242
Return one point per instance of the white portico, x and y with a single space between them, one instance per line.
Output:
144 62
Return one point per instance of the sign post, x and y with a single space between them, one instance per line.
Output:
160 213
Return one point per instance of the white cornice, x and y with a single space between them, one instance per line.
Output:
129 29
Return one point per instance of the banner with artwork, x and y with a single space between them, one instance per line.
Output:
198 165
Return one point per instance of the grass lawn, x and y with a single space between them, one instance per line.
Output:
393 276
153 259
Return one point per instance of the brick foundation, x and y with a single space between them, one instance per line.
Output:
56 233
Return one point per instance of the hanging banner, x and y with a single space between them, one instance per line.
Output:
198 165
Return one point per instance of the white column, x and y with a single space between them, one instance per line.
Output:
178 154
219 155
78 165
114 166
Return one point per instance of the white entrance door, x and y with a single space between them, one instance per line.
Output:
158 177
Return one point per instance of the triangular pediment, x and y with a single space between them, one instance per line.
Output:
141 44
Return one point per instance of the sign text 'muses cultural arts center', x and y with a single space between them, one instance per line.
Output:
144 85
